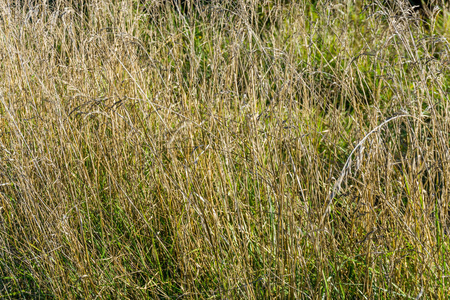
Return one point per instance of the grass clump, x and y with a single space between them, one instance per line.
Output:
223 149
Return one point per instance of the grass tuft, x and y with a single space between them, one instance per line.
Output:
223 149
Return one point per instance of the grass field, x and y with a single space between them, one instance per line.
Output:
237 149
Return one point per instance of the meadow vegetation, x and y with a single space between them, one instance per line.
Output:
235 149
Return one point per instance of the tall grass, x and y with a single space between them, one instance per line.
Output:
233 149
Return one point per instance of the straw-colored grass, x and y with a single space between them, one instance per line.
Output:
237 149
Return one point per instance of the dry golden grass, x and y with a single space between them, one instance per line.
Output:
240 149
